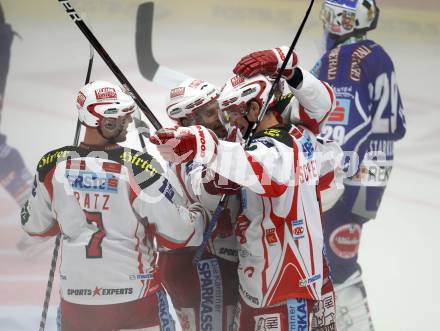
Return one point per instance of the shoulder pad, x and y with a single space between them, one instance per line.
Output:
50 160
145 168
280 133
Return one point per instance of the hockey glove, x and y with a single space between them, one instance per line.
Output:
185 144
267 62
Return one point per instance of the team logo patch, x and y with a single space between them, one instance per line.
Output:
106 93
141 277
80 99
307 146
271 236
267 322
92 181
309 281
177 92
298 229
211 294
236 80
341 112
345 240
112 167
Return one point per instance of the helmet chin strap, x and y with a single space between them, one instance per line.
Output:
112 127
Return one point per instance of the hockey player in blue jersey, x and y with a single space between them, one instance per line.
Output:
368 119
15 178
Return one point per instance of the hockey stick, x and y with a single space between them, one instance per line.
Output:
56 248
110 63
89 72
148 66
222 203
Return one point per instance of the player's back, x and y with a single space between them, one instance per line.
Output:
368 118
368 99
107 253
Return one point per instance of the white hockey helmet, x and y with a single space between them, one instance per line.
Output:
238 91
343 17
100 99
188 97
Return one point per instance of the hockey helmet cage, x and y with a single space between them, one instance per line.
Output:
343 17
188 97
100 99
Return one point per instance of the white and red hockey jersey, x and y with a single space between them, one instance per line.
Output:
201 185
280 229
108 205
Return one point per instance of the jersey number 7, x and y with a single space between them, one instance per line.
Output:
93 248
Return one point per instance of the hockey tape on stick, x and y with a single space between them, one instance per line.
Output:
149 68
110 63
56 248
213 221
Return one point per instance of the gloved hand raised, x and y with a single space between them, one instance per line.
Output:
267 62
185 144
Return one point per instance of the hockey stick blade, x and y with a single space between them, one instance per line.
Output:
70 10
144 32
149 68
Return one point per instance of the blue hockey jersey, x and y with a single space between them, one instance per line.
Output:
367 120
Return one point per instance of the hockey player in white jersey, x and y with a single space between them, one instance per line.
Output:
108 202
281 269
203 295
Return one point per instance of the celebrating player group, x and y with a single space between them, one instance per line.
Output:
286 164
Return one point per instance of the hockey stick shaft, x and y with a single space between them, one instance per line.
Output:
278 77
56 249
89 72
211 225
110 63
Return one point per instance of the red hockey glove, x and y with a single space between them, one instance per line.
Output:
266 62
185 144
